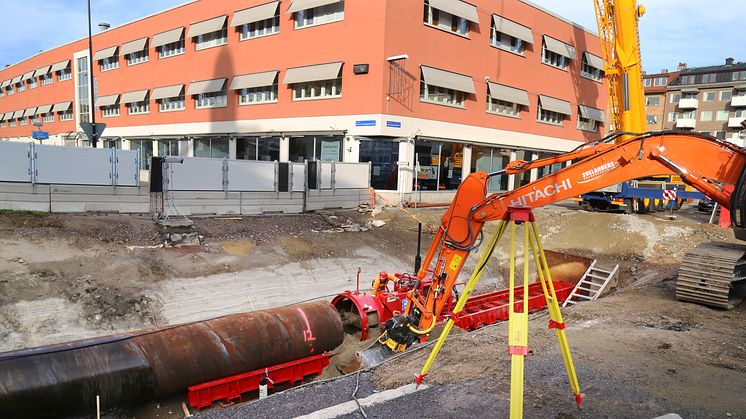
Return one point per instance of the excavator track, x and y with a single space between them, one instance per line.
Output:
713 274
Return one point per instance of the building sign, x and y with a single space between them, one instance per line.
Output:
366 123
330 150
393 124
40 135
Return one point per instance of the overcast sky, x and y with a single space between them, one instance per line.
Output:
693 31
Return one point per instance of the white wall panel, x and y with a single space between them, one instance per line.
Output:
326 175
251 176
299 177
14 162
75 166
128 168
351 175
196 174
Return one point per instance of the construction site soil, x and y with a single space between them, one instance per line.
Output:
639 352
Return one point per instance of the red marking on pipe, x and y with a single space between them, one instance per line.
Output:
307 334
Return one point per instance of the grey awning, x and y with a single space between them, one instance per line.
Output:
136 96
508 94
513 29
690 90
458 8
206 86
594 60
447 79
559 47
247 81
591 113
106 100
316 72
255 14
134 46
554 105
29 112
60 66
42 71
27 76
5 84
207 26
105 53
5 116
43 109
16 80
62 106
17 114
168 91
308 4
167 37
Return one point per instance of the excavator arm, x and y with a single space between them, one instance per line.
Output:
702 161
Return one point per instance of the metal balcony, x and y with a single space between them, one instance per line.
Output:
685 123
688 104
738 101
736 122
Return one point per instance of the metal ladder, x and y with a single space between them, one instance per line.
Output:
591 285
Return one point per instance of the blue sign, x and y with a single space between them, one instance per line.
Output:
366 123
393 124
40 135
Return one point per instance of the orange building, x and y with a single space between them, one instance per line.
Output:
437 87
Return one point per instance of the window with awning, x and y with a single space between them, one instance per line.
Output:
552 110
505 100
509 35
556 53
589 118
315 81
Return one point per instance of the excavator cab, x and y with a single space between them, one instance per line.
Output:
738 206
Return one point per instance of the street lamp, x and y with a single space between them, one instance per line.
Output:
94 134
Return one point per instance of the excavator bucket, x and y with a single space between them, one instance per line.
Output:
374 355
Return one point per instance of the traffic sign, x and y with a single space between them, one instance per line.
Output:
88 129
40 135
669 194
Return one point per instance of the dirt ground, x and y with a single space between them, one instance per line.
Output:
65 277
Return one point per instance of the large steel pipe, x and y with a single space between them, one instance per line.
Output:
139 366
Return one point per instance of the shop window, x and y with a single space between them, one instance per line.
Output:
488 159
316 149
383 155
115 144
216 148
145 148
438 165
264 149
168 148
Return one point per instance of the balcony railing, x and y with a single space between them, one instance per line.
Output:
685 123
738 101
688 104
736 121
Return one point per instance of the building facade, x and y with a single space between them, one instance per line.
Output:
655 86
426 90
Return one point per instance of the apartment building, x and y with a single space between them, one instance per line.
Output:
444 86
710 100
655 86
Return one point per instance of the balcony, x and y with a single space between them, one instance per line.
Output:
736 122
735 139
685 122
688 104
738 101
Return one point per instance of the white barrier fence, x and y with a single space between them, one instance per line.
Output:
46 164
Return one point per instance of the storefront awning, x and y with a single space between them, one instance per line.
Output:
508 94
43 109
60 66
206 86
248 81
29 112
134 46
62 106
167 37
17 114
107 100
447 79
136 96
559 47
591 113
458 8
167 91
105 53
513 29
255 14
554 105
28 76
42 71
308 4
207 26
316 72
594 60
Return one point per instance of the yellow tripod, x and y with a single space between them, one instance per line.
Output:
517 320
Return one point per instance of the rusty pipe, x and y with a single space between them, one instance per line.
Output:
139 366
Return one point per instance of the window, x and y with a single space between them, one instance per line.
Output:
318 89
46 79
720 135
741 92
137 108
740 113
211 100
66 115
265 149
313 148
2 92
12 123
3 124
675 97
687 115
11 90
21 87
652 119
48 117
687 79
551 117
709 78
660 81
722 116
22 121
552 58
726 95
383 155
652 100
586 124
168 148
64 74
440 165
689 95
110 63
83 96
705 116
32 83
171 104
647 82
145 149
212 39
319 15
502 107
440 95
137 57
734 76
446 21
216 148
589 71
169 50
265 94
709 96
109 111
505 41
260 28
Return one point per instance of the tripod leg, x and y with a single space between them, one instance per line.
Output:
470 285
517 329
556 322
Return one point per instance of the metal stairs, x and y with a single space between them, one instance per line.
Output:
591 285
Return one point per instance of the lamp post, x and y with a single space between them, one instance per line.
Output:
94 138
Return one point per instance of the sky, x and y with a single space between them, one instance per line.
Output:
696 32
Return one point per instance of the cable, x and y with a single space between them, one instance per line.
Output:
354 395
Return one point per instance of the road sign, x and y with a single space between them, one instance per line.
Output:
40 135
87 128
669 195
